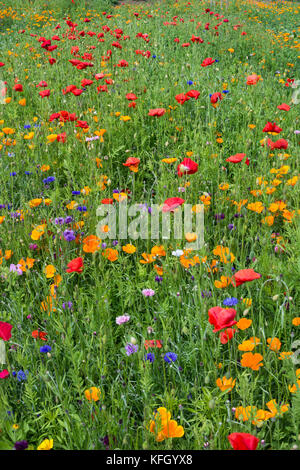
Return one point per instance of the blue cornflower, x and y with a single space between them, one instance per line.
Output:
13 173
82 208
28 173
225 91
230 301
149 357
27 126
45 349
189 82
154 56
170 357
21 375
76 192
50 179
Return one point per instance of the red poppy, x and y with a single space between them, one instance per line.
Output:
196 39
272 127
77 92
279 144
181 98
215 97
284 107
76 265
68 89
131 97
187 167
238 157
157 112
61 137
122 63
152 343
107 201
227 335
82 124
243 441
172 203
132 161
42 84
221 318
193 94
44 93
4 374
5 330
86 82
39 334
18 87
207 62
101 88
98 76
244 275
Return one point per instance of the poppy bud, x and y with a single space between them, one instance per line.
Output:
133 340
211 404
206 380
275 297
245 312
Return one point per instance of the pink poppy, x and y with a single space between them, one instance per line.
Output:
172 203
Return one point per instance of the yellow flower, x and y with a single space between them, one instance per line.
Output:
47 444
129 248
38 232
51 137
92 393
125 118
225 385
35 203
169 160
16 426
49 270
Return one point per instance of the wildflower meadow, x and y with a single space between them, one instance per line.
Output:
149 225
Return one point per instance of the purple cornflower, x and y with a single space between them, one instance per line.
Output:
16 268
69 235
68 305
131 348
59 221
21 445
